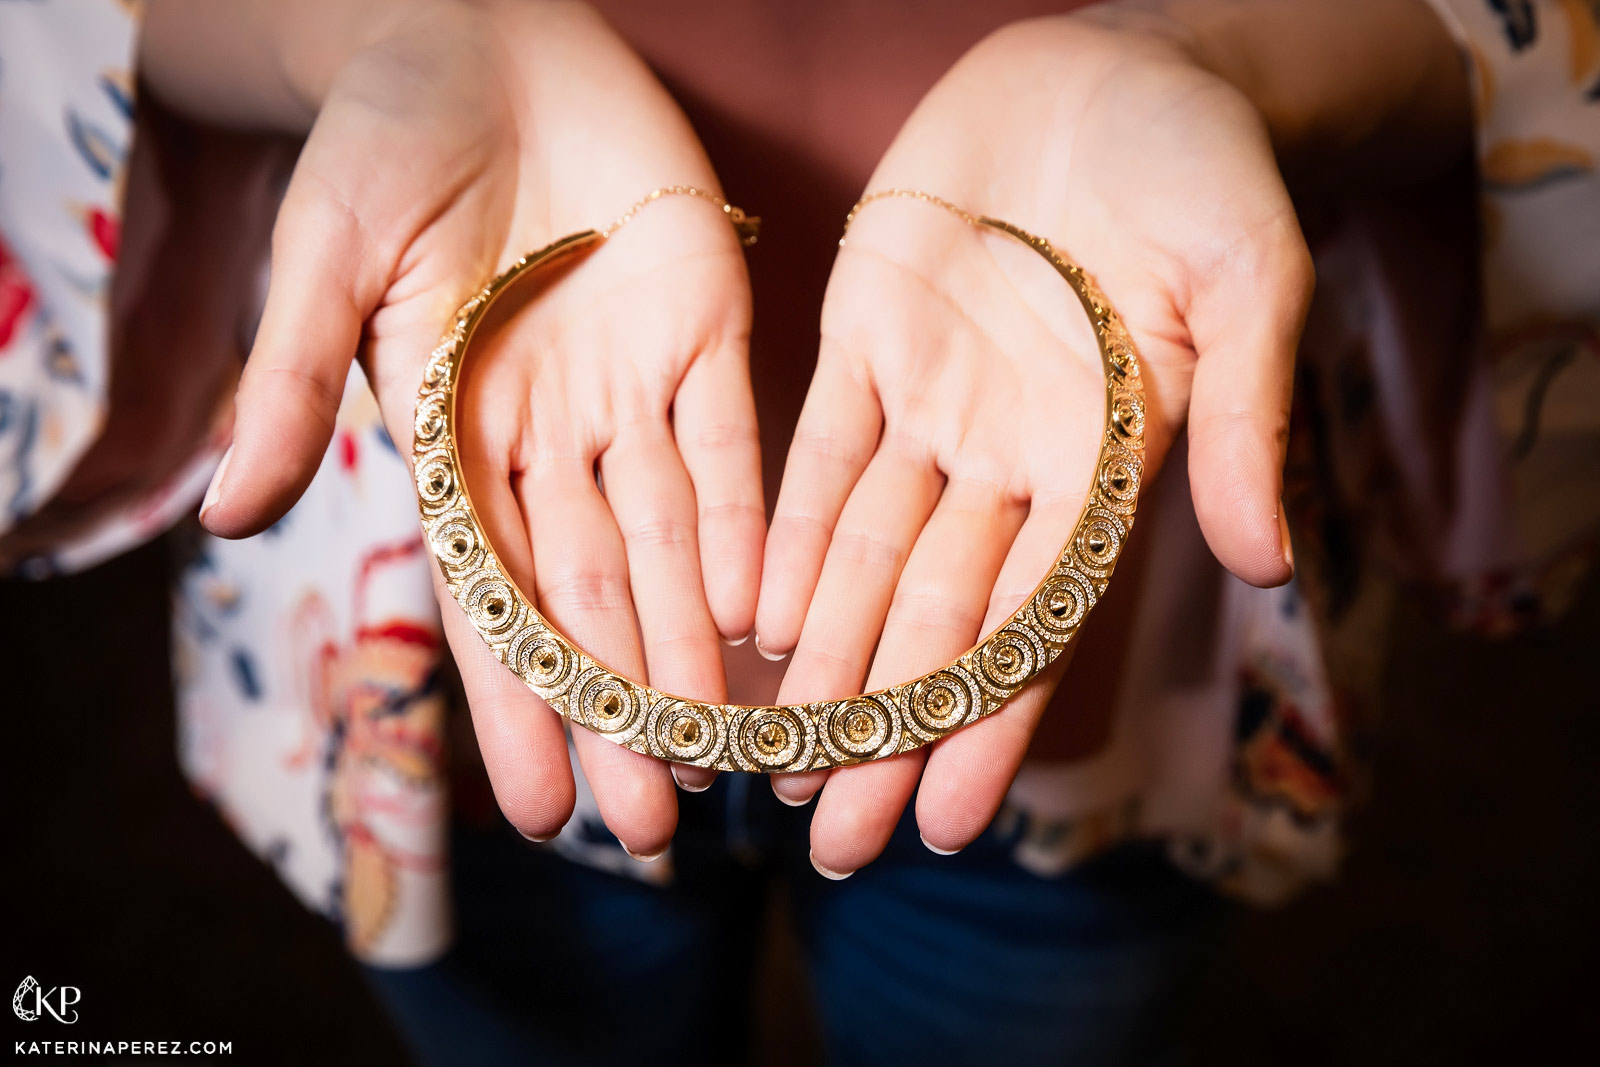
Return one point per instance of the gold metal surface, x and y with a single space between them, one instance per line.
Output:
828 733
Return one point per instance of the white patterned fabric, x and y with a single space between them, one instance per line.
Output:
314 685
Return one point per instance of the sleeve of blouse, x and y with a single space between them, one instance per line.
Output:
66 110
1535 69
99 451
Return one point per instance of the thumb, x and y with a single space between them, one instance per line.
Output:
1245 323
326 279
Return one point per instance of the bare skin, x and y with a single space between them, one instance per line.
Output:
441 148
950 429
938 464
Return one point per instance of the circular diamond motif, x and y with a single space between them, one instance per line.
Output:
1059 608
1009 659
687 732
1119 354
943 701
1099 541
492 605
540 657
436 483
456 543
430 421
607 705
1127 415
776 739
437 373
859 729
1118 479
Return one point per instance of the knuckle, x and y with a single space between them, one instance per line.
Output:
800 527
816 445
1242 427
587 589
681 647
310 392
869 551
827 666
660 532
720 437
319 213
1282 264
1007 599
1299 269
732 513
931 610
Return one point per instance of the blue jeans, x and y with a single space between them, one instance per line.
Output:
918 958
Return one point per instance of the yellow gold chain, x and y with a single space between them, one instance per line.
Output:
746 226
907 194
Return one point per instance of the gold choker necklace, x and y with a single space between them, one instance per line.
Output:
797 737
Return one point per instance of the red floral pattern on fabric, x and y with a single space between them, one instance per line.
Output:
16 297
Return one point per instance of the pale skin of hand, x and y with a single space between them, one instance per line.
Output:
446 142
434 160
948 438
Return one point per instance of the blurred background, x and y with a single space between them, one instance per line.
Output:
1463 931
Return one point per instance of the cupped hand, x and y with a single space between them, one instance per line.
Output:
456 138
950 433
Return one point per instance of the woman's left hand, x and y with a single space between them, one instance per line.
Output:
949 435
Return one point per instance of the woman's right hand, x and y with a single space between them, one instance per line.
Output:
449 138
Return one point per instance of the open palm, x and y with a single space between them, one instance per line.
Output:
950 431
445 148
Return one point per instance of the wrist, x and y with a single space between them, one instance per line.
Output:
314 40
260 63
1351 91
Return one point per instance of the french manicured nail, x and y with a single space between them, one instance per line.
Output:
773 656
833 876
686 787
643 857
791 801
937 850
214 490
1283 534
734 642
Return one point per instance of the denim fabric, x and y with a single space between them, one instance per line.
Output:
918 958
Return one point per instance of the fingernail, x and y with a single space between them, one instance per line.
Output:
538 840
214 490
686 787
937 850
734 643
642 857
793 803
833 876
1283 534
773 656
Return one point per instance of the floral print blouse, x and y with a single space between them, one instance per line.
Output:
1464 456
